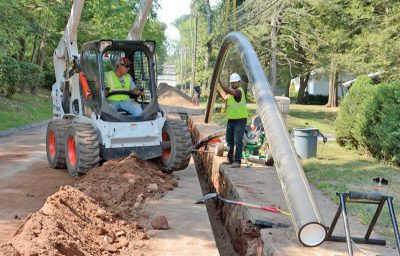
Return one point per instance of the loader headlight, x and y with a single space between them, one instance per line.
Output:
151 46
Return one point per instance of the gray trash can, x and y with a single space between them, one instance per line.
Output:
305 142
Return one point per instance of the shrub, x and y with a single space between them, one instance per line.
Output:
49 79
369 119
384 123
33 75
11 75
351 125
315 99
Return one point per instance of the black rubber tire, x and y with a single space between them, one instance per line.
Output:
83 138
219 149
269 160
177 157
55 143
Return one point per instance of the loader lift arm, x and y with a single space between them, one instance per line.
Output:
67 48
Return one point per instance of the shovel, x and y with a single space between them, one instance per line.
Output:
270 209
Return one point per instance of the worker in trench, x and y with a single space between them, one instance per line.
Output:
120 80
237 118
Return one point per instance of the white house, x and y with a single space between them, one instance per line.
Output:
319 83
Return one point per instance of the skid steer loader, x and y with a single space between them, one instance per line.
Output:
85 128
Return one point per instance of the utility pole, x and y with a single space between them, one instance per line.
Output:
193 59
274 46
181 74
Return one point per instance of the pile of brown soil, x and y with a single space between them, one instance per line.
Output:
169 95
100 215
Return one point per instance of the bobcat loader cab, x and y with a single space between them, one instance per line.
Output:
86 129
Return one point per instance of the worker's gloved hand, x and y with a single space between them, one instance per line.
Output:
141 91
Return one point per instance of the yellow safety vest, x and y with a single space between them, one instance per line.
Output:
236 110
115 85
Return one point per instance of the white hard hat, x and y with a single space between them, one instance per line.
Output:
234 78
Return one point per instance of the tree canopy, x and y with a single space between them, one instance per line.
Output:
32 29
300 36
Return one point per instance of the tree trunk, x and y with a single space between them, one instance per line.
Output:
194 59
209 45
185 69
273 70
22 51
287 89
42 47
333 86
22 89
34 45
302 89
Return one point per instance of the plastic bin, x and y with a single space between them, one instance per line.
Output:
305 142
283 104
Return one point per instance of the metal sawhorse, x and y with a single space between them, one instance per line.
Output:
365 198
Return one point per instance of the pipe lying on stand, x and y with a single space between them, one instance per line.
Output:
306 218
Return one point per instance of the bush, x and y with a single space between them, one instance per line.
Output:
315 99
33 75
351 125
15 74
11 75
369 119
49 80
384 120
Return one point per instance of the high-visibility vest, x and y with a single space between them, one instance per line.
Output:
115 85
236 110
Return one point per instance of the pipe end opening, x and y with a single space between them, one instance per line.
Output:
312 234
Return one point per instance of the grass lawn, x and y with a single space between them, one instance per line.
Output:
25 108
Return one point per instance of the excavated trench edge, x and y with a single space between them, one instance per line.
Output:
233 231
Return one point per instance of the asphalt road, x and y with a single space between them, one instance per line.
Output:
168 75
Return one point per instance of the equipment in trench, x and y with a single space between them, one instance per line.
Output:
362 198
270 209
85 128
253 140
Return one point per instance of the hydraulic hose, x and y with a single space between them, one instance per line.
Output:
306 217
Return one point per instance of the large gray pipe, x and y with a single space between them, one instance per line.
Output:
307 220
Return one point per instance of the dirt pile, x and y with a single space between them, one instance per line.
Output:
100 215
169 95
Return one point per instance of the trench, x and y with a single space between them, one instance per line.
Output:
234 233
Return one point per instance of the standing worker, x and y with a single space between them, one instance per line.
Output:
237 118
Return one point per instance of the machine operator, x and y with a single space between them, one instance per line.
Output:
120 80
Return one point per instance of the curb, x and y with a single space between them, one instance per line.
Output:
6 132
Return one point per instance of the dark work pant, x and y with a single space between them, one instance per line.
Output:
234 137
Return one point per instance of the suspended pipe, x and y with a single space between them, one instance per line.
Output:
306 218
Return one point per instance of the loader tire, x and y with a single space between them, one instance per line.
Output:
177 156
55 143
82 148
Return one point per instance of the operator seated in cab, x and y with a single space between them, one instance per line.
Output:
120 80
